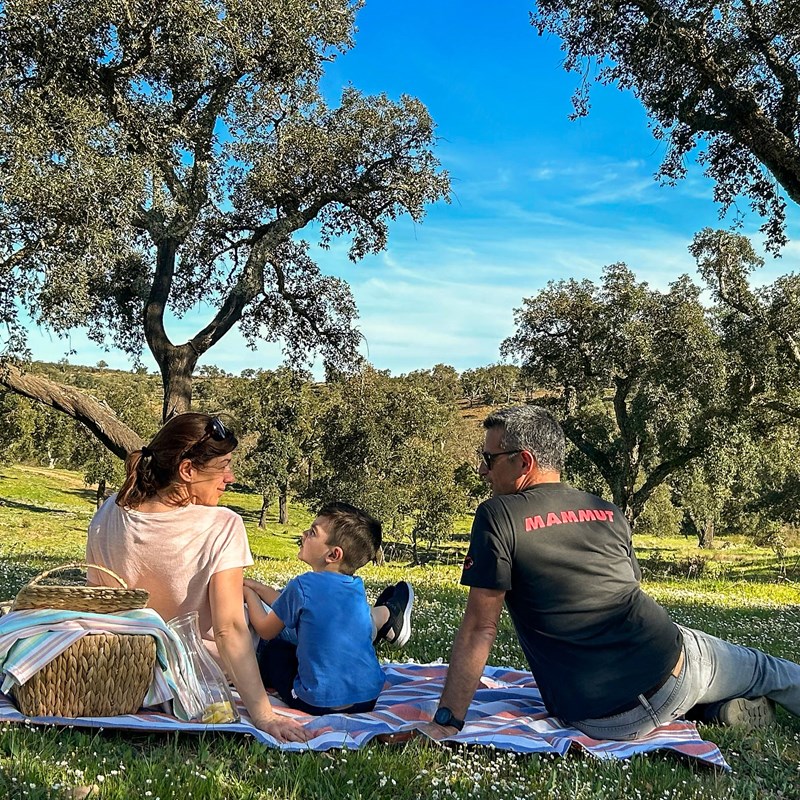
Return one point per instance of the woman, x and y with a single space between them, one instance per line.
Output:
164 532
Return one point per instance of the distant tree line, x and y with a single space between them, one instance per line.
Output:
397 446
682 413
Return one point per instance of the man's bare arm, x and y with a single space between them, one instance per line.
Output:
471 649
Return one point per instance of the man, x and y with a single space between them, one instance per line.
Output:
607 658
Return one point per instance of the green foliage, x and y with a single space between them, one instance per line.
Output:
276 411
720 75
160 158
17 428
441 382
469 480
759 324
635 375
492 385
660 517
392 449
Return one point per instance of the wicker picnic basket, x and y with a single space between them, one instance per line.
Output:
96 599
100 675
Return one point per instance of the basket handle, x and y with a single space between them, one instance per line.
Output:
78 564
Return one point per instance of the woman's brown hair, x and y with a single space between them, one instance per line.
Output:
198 437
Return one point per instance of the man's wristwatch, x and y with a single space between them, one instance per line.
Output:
444 717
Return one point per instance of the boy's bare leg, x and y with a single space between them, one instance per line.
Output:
380 616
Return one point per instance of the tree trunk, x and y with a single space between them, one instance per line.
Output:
262 519
177 365
706 535
101 492
283 504
622 498
96 416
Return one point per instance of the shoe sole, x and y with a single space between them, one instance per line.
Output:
741 712
405 629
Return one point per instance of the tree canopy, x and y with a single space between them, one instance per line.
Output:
390 447
275 411
763 322
719 74
157 158
637 376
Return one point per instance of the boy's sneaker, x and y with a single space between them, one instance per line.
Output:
756 713
399 599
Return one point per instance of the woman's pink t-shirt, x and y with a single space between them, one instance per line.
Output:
171 554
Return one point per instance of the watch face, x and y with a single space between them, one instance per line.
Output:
443 716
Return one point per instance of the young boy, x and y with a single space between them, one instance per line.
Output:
316 647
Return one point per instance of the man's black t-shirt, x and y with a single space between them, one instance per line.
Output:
594 640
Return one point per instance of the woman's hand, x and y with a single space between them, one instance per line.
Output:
284 729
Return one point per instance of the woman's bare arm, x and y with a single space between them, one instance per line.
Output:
235 646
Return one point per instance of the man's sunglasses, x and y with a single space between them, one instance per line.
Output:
489 458
215 430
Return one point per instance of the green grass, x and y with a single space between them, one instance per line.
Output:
43 518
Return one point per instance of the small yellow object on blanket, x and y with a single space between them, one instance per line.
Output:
218 712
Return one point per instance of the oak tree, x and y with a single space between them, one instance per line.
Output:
158 158
635 375
275 412
719 75
391 448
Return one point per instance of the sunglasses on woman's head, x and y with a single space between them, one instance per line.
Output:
215 430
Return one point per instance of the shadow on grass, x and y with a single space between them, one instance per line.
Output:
425 553
90 495
247 514
661 563
28 507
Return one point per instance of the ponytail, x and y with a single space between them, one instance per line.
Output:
139 483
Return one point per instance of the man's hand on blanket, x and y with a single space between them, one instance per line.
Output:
284 729
437 732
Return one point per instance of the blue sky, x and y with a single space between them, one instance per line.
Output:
535 196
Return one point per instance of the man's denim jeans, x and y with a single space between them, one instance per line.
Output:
713 671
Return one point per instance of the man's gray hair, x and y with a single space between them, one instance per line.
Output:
530 428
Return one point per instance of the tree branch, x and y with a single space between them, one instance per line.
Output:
154 331
600 459
96 416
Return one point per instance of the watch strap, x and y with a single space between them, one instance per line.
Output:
444 717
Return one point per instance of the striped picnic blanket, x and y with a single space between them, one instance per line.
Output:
507 713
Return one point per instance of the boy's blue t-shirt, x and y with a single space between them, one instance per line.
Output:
337 665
